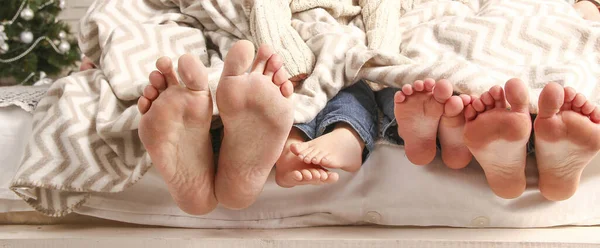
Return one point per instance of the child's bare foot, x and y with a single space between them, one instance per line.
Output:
418 109
175 131
292 171
567 137
498 137
455 153
257 116
340 149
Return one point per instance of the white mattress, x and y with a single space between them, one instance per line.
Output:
388 190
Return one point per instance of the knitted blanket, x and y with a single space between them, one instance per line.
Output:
85 129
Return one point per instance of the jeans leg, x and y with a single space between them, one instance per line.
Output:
309 129
356 107
385 100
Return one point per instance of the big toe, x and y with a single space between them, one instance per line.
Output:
193 73
517 95
238 59
551 100
453 107
442 91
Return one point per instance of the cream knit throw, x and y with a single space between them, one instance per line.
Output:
85 137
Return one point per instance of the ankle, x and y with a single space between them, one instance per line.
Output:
346 128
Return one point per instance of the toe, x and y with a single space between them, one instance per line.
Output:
442 91
308 158
262 58
296 175
150 93
488 100
466 99
595 115
453 107
281 76
517 95
165 66
579 100
588 108
551 100
319 158
326 161
324 175
299 148
399 97
570 94
407 89
143 104
429 84
316 174
496 93
478 105
470 113
287 89
332 177
306 175
193 73
238 59
158 80
418 85
274 65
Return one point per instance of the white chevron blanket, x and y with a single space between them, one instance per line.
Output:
85 129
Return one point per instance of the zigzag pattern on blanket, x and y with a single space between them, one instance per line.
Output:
85 130
538 41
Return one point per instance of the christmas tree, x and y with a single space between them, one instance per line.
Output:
33 43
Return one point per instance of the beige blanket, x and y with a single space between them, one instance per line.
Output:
85 129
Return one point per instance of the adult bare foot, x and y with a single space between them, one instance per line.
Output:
257 116
175 128
498 137
455 153
292 171
418 109
588 10
567 137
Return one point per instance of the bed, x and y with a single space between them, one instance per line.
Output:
430 209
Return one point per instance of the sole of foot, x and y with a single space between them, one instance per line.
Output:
498 137
175 128
455 153
567 138
418 109
257 116
291 171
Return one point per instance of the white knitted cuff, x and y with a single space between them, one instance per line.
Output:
270 23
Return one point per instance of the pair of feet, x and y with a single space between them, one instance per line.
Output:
257 116
566 132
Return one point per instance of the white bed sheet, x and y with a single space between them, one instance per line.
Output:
388 190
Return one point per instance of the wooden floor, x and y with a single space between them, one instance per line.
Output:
124 236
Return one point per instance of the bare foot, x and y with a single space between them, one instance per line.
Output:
257 116
175 131
418 109
588 10
455 153
567 137
342 148
292 171
498 137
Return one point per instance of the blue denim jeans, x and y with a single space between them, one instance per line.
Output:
389 126
354 106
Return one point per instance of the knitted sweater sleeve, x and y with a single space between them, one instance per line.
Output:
270 23
382 19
